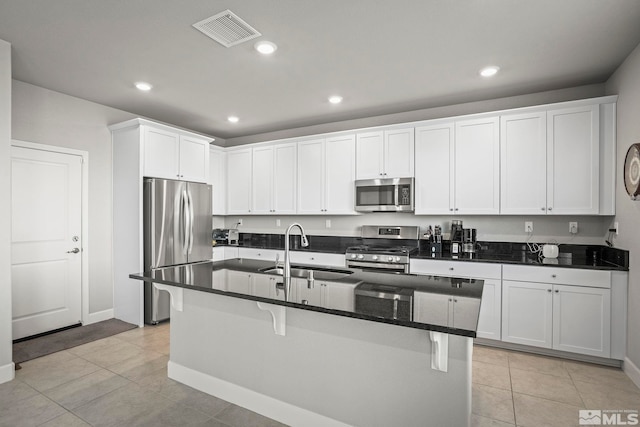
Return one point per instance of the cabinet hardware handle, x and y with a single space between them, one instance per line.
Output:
542 208
455 300
451 209
553 275
548 290
450 268
557 291
449 299
550 208
456 209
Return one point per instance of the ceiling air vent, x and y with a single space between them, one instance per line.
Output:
227 29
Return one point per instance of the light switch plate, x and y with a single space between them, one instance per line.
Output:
528 226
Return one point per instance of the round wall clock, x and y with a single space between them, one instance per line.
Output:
632 171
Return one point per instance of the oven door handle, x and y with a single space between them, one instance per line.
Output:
376 265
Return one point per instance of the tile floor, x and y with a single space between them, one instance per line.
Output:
122 381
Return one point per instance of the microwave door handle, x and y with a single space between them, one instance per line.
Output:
396 196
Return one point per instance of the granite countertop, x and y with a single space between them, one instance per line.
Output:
594 257
211 277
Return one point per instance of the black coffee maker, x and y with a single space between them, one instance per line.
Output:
457 236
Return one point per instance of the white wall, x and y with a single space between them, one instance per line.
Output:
47 117
625 82
6 365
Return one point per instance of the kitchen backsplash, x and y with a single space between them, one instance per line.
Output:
592 230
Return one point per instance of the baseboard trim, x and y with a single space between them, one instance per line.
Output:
632 371
7 372
249 399
99 316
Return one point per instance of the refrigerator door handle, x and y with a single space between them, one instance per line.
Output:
191 220
186 222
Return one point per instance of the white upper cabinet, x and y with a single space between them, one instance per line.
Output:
239 181
523 163
434 171
218 180
573 153
477 166
458 167
326 174
274 179
550 162
173 155
385 154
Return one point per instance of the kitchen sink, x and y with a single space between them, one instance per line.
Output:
317 273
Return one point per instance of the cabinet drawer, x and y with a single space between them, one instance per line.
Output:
317 258
557 275
256 253
456 268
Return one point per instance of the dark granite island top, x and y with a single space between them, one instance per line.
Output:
250 280
321 359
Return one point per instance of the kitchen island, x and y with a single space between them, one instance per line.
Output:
339 352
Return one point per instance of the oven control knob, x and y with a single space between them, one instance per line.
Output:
397 259
353 256
375 257
390 259
360 256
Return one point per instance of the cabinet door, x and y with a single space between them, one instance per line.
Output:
523 164
337 296
490 319
239 182
582 320
262 180
370 155
399 153
161 152
434 171
465 313
239 282
261 285
527 313
573 174
218 253
311 177
217 179
477 167
431 308
284 178
194 159
340 174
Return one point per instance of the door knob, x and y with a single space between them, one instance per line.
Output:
73 251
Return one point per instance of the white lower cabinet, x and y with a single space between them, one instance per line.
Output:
440 309
566 316
489 320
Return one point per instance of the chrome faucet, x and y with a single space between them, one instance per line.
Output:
286 274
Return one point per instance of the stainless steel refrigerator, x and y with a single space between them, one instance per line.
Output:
177 230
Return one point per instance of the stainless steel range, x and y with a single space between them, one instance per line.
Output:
384 248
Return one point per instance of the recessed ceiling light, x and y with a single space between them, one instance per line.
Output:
143 86
335 99
265 47
233 119
489 71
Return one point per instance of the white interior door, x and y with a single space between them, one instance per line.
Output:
46 251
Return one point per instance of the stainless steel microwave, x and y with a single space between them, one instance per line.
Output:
384 195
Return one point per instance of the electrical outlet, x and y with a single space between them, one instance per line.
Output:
277 223
615 226
528 226
573 227
239 221
327 223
